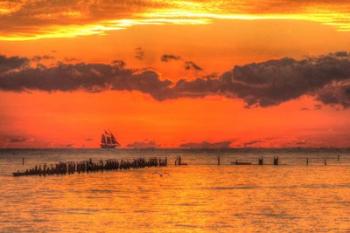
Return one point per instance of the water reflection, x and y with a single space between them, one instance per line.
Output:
194 198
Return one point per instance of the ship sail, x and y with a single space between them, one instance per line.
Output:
108 140
103 139
114 140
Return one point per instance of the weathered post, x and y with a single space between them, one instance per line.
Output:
261 161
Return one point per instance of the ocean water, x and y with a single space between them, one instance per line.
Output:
200 197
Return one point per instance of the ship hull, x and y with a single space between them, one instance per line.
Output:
108 146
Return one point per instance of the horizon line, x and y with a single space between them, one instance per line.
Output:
172 148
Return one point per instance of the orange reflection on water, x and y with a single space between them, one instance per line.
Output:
183 199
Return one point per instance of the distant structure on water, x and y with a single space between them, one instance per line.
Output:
108 141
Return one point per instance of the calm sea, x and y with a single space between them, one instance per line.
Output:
200 197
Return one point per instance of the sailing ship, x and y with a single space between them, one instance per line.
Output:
108 141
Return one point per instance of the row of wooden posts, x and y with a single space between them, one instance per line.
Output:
260 161
275 161
66 168
63 168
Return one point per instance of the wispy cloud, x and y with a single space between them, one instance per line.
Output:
190 65
13 140
39 58
169 57
139 53
36 19
252 143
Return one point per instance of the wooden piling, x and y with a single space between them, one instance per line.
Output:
68 168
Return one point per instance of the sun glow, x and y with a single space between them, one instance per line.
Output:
100 28
80 23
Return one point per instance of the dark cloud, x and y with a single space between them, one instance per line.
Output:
70 59
17 139
143 145
199 87
273 82
40 58
251 143
12 63
89 77
262 84
206 145
119 63
169 57
189 65
276 81
139 53
335 94
317 106
13 139
302 142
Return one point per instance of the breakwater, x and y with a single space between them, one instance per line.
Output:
87 166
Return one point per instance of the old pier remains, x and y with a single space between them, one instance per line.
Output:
87 166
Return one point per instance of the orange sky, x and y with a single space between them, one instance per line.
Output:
214 35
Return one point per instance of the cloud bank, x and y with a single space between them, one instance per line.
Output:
326 78
16 76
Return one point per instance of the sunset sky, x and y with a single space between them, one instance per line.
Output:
248 73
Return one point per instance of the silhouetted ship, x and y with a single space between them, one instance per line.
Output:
108 141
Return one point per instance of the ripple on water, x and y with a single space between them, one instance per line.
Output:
101 191
232 187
